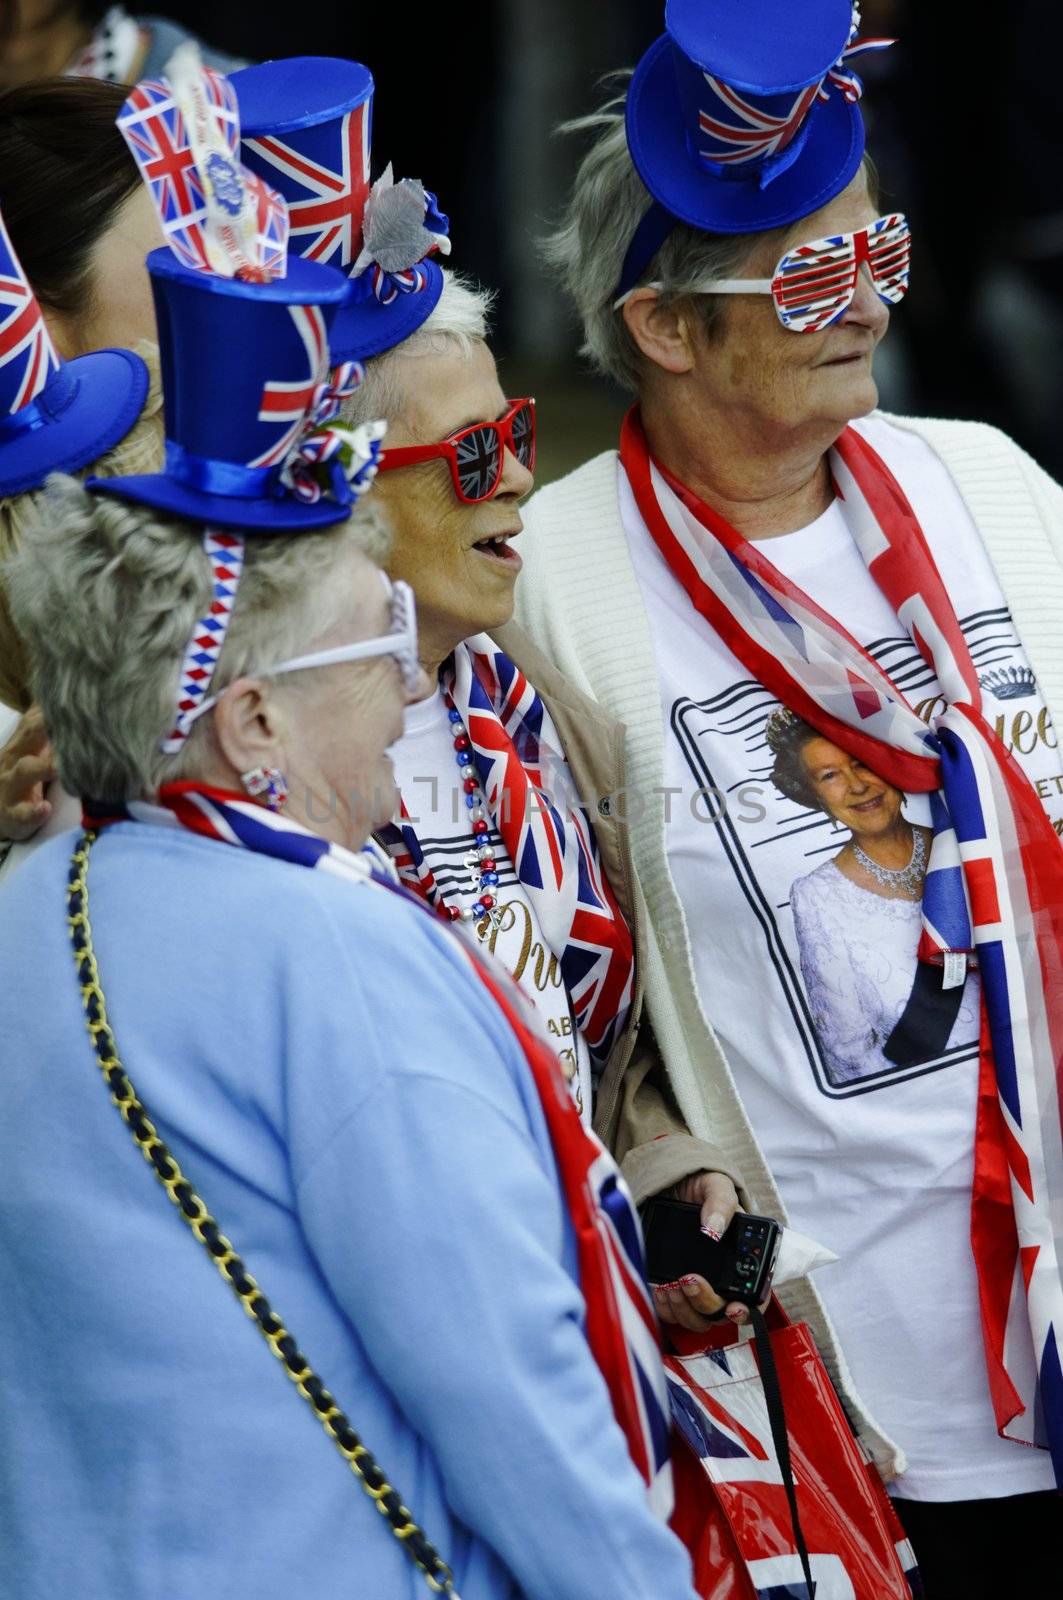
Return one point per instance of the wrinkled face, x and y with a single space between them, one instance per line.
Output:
343 718
848 791
772 381
118 307
456 557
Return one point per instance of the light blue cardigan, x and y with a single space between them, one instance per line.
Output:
365 1130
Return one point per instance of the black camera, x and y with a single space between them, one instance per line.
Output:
738 1266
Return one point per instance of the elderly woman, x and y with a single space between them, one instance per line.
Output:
876 1007
755 544
373 1115
491 829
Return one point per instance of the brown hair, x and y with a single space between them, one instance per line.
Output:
64 173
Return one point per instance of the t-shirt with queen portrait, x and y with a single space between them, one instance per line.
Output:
431 788
806 975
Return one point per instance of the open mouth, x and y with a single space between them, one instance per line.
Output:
868 805
499 549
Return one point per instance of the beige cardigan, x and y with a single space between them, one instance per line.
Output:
579 599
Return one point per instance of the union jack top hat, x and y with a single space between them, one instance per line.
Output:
55 416
306 127
244 369
743 116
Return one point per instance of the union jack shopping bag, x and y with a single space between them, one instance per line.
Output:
732 1508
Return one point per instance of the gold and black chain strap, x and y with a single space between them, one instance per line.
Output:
387 1500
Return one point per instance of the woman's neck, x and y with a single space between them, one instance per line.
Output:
893 849
764 481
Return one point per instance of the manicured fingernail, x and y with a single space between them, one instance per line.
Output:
689 1285
738 1315
714 1227
661 1288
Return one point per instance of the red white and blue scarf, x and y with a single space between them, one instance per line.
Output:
621 1323
532 800
994 885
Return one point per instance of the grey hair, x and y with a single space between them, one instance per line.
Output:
106 595
459 318
587 250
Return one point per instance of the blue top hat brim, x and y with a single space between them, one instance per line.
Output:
280 515
109 390
657 139
366 328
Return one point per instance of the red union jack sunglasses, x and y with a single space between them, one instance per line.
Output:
814 283
476 454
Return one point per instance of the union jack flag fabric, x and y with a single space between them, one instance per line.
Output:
323 173
154 129
993 892
27 356
737 128
621 1324
531 798
857 1549
293 400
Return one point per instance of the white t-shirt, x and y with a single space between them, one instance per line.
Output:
805 975
431 788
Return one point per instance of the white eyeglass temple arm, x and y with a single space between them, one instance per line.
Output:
711 286
342 652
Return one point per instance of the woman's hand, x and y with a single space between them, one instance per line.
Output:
692 1303
27 767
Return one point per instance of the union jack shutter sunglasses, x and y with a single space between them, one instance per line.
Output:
476 454
813 284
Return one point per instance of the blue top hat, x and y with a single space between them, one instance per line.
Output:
55 416
744 117
306 127
244 370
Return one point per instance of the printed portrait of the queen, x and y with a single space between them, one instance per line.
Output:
857 916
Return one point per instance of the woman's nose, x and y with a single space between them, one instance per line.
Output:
516 479
867 307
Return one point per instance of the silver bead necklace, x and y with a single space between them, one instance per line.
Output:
906 879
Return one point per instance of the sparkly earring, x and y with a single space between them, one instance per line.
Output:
268 784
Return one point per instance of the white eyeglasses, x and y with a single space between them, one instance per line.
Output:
400 641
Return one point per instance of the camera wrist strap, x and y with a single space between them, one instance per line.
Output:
193 1211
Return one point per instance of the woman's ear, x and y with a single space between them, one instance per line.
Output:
247 725
661 331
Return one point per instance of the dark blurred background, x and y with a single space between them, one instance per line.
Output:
963 122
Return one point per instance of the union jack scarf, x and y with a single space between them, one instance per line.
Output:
532 801
993 894
621 1324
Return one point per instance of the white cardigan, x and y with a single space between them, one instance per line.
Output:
579 599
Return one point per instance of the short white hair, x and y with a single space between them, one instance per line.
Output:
459 318
106 594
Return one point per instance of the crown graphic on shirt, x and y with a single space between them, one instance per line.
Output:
1008 683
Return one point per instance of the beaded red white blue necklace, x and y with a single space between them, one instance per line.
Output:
486 866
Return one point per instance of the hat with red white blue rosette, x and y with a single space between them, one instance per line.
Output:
55 415
744 116
250 388
307 130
